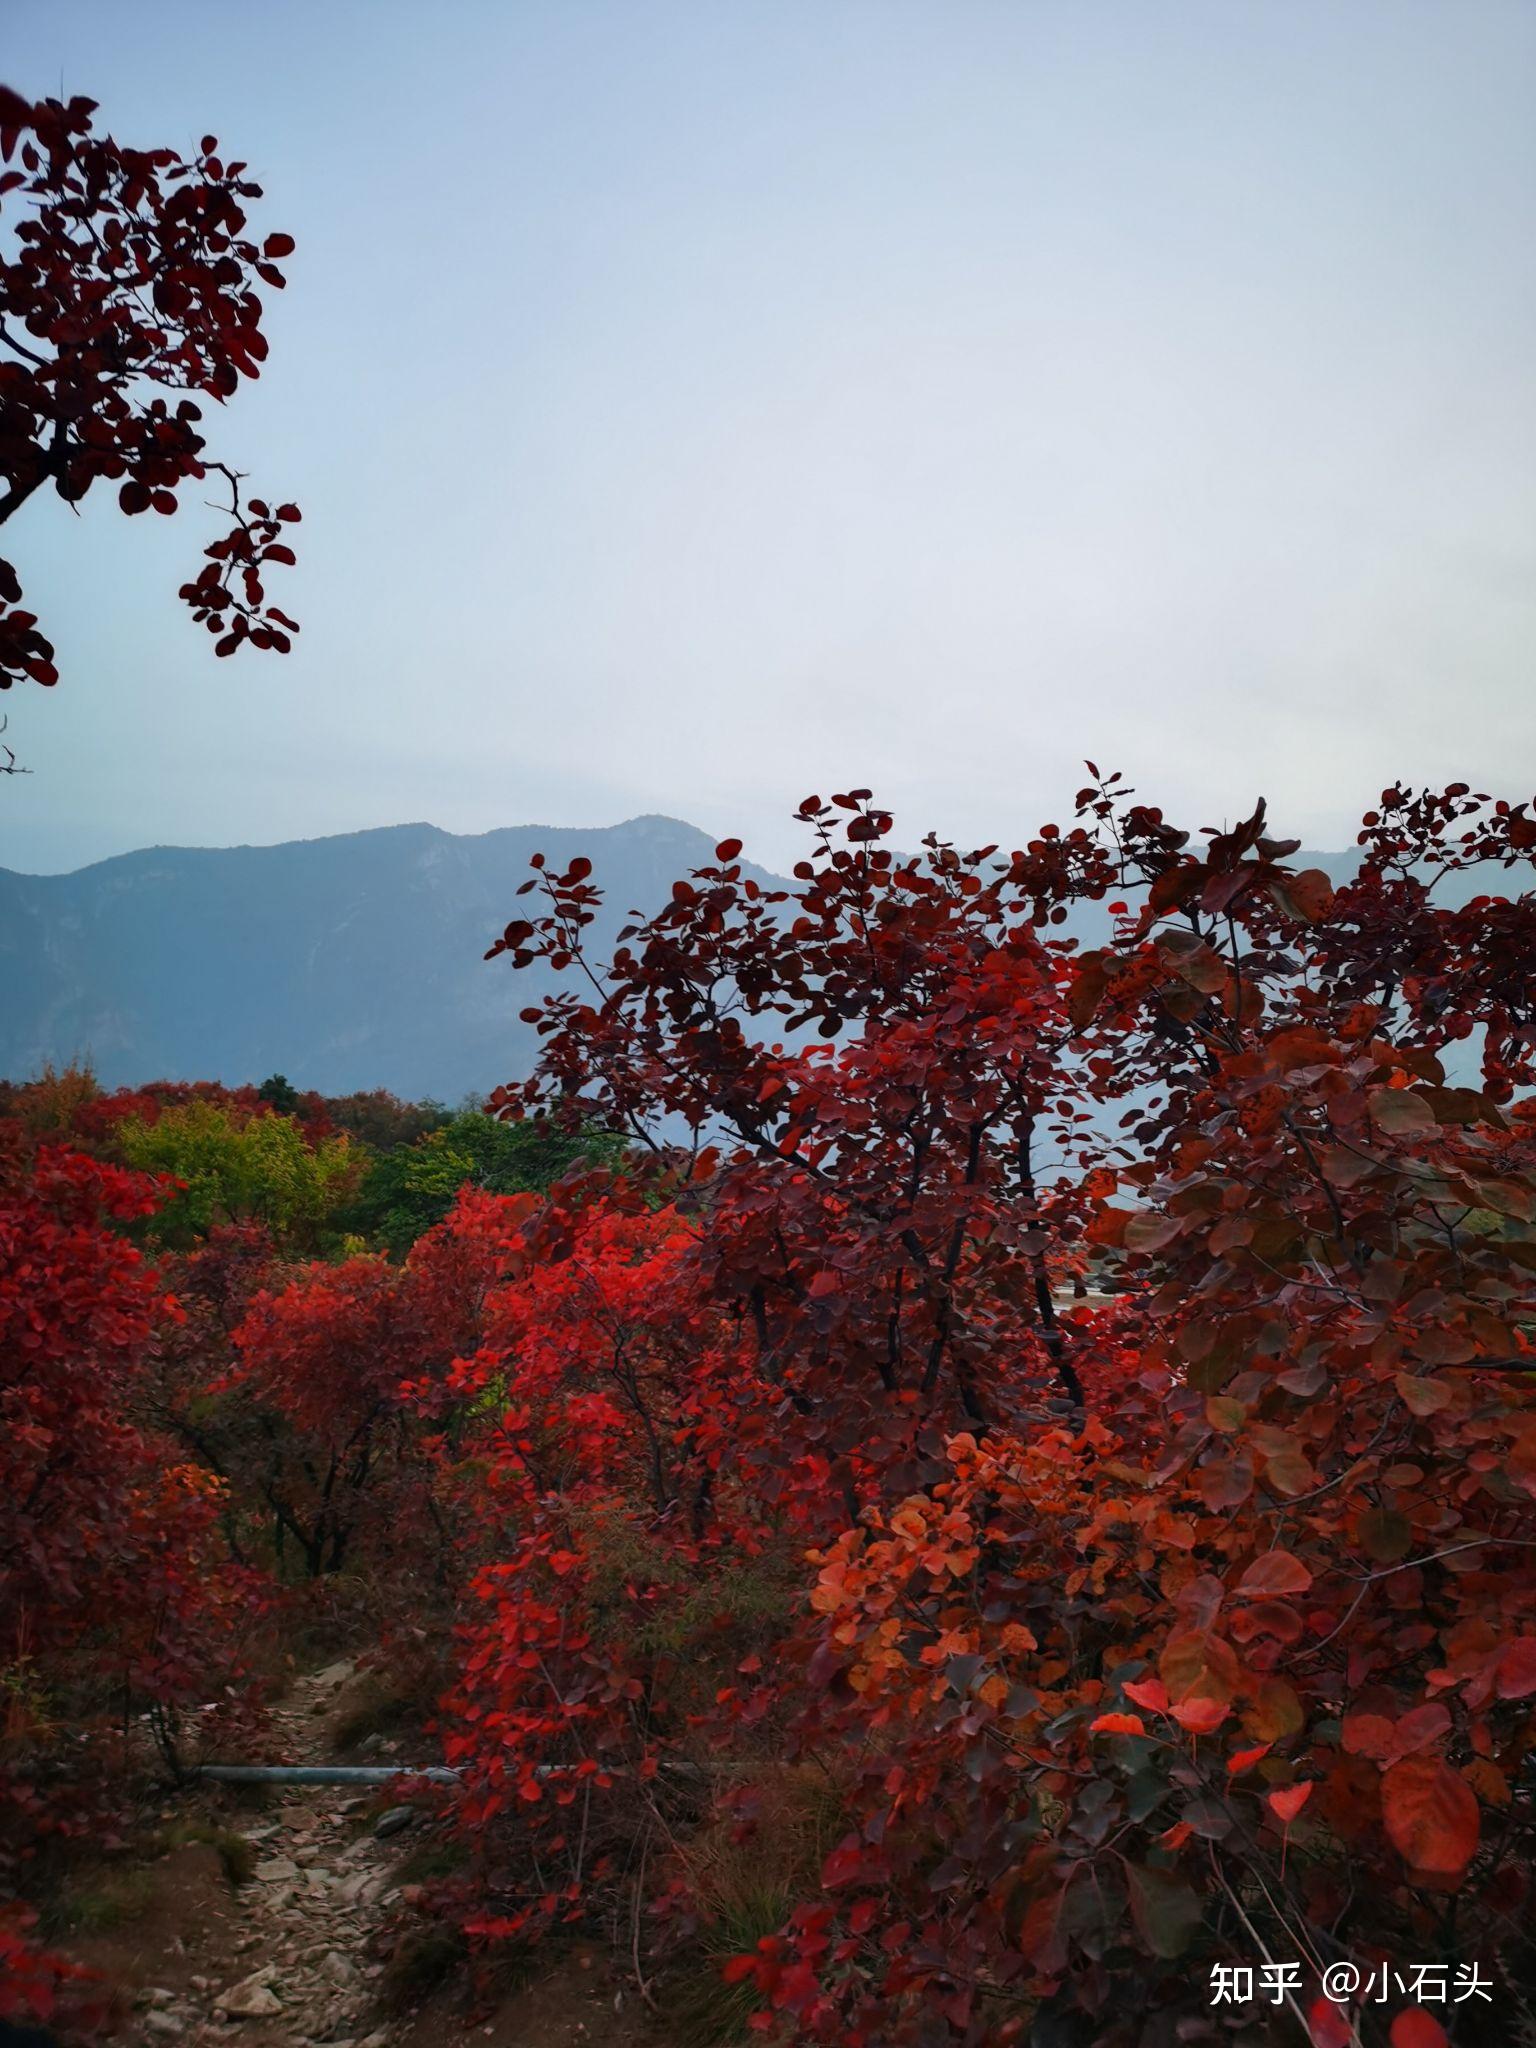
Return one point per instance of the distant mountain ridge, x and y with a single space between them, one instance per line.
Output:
348 962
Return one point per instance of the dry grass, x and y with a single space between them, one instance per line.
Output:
745 1880
425 1959
237 1856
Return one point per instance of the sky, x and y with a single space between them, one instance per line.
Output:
694 406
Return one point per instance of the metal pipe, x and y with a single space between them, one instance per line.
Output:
384 1774
322 1774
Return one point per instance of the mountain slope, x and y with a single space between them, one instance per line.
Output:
350 962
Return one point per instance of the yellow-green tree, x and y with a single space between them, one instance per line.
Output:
236 1168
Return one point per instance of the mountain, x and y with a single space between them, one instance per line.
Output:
349 962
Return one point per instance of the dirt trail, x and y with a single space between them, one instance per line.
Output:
288 1957
283 1959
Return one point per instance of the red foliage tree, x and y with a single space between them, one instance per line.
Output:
883 1181
131 274
628 1568
109 1592
1202 1628
328 1358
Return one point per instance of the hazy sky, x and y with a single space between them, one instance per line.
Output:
695 405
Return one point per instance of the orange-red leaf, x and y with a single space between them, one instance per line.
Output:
1150 1693
1199 1716
1244 1759
1277 1571
1431 1814
1288 1800
1118 1724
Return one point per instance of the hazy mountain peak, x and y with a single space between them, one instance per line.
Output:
350 961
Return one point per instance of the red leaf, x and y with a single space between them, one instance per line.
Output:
1517 1669
1415 2028
1420 1728
1147 1232
1198 1716
1431 1815
1276 1572
1305 897
1244 1759
1367 1735
1150 1693
1288 1800
1329 2025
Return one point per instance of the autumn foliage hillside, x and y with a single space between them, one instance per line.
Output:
943 1487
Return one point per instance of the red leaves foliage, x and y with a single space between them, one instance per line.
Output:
1277 1499
1073 1405
107 1533
335 1358
132 273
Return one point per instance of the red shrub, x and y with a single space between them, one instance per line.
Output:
1199 1630
109 1589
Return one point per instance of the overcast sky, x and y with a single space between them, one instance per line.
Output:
696 405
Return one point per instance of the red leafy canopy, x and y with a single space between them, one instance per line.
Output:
1050 1433
131 274
340 1353
107 1532
1162 1629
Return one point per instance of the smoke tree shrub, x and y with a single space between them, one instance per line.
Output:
1200 1627
129 274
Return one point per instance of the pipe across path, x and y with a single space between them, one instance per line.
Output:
385 1774
322 1774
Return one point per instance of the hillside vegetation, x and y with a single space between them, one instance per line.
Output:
897 1563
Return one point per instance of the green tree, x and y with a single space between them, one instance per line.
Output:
244 1169
409 1190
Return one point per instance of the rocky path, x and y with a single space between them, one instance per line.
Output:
290 1957
286 1960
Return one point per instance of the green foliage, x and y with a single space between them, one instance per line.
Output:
744 1882
279 1092
408 1191
53 1103
707 2010
745 1599
433 1858
239 1169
